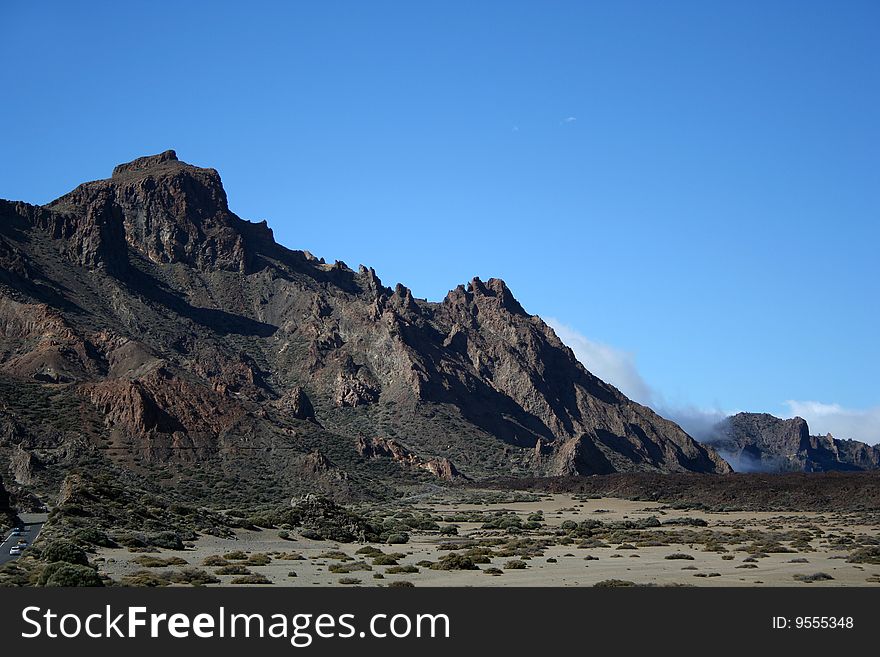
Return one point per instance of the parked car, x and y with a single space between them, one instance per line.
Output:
15 550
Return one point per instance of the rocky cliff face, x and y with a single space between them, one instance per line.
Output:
762 442
168 211
144 325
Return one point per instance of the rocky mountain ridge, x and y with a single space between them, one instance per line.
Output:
762 442
146 328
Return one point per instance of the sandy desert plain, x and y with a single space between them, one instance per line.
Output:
538 539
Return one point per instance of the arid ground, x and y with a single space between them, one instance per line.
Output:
541 539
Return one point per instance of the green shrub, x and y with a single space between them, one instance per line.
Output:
93 536
193 576
65 551
515 564
166 540
349 580
237 555
384 560
158 562
251 579
398 538
679 555
349 567
870 554
454 561
233 569
398 570
62 573
214 560
400 584
337 555
815 577
145 578
614 583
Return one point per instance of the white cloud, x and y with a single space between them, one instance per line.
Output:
569 119
610 364
855 424
618 367
701 423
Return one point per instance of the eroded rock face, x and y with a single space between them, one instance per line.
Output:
296 403
92 237
170 212
179 333
22 464
377 448
762 442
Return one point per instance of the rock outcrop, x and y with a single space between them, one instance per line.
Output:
170 212
762 442
377 448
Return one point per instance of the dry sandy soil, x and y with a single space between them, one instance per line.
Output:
834 537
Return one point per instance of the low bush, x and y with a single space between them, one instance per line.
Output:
348 567
158 562
64 551
384 560
233 569
398 570
454 561
214 560
251 579
815 577
61 573
614 583
193 576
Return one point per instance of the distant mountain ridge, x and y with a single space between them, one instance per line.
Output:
146 328
759 441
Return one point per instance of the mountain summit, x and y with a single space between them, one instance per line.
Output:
146 328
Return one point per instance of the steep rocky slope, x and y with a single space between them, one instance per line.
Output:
146 328
758 441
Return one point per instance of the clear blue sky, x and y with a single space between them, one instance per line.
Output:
694 184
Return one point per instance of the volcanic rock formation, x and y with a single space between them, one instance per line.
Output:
762 442
147 328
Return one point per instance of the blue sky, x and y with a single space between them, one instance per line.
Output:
688 189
